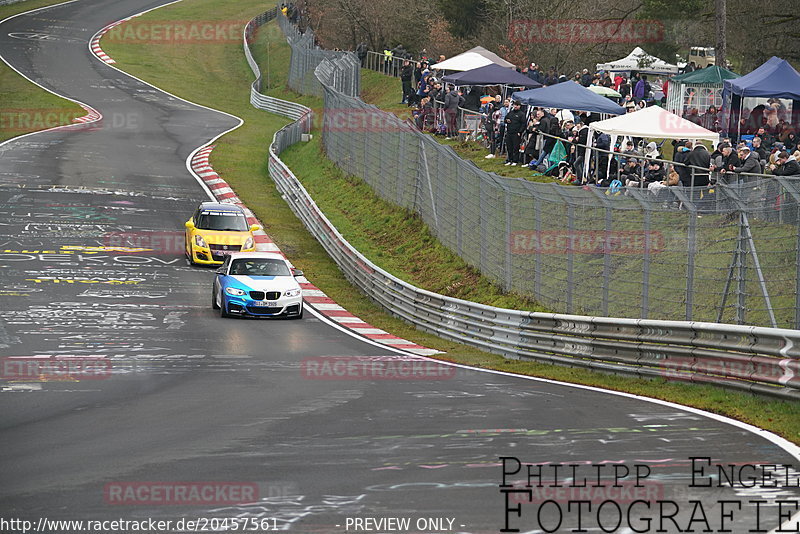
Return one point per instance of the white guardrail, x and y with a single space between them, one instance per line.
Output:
755 359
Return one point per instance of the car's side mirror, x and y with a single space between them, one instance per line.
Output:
297 272
254 227
222 270
189 224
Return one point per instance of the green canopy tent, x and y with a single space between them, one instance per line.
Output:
699 89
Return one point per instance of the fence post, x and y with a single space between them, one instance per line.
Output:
509 278
459 213
646 266
691 250
483 221
570 254
741 288
607 259
537 270
797 278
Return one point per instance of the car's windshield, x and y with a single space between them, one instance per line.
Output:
259 267
221 221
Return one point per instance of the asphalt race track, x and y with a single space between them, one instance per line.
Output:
190 398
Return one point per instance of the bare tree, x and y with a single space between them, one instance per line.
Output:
721 17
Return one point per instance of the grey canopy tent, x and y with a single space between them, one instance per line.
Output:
491 75
568 95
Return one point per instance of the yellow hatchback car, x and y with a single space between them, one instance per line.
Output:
217 230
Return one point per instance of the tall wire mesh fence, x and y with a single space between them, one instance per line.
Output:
307 56
727 253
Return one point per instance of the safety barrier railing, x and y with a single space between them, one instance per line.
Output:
755 359
388 65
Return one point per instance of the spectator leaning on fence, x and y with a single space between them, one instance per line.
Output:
699 157
726 160
787 165
750 162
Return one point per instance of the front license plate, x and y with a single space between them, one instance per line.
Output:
266 303
223 252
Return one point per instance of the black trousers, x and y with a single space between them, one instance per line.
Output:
512 144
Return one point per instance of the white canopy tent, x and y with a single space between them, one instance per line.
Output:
640 61
650 123
653 123
472 59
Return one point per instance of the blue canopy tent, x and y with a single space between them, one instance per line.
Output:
776 78
491 75
568 95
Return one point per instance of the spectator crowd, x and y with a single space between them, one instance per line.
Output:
553 141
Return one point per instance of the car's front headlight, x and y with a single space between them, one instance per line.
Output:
199 241
293 292
235 291
249 243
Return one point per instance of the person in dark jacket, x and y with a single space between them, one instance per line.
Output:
551 78
654 173
726 161
548 124
710 119
515 124
533 73
788 165
406 75
586 78
680 157
472 101
699 157
452 101
750 162
759 149
361 52
630 172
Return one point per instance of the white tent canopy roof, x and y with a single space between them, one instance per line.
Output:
653 123
641 61
472 59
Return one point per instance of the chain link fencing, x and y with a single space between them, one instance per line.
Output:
726 253
307 56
